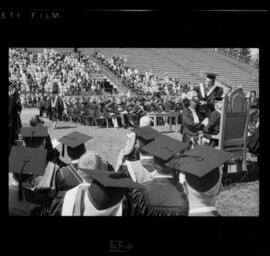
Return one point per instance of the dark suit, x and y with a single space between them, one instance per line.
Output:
189 128
213 124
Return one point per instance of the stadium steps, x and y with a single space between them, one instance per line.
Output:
188 64
121 88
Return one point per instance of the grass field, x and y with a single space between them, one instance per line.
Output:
235 200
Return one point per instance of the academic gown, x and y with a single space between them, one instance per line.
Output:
33 203
161 197
254 142
55 113
68 177
213 126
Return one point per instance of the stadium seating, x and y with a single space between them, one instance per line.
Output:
188 64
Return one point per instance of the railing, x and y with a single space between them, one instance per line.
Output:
108 72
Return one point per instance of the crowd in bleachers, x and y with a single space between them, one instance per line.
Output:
33 73
147 82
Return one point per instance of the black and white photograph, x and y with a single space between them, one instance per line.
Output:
134 131
122 121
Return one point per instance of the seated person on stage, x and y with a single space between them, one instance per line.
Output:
98 195
163 195
202 178
191 121
253 139
253 100
29 194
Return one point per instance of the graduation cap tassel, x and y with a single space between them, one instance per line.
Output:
63 150
26 160
199 158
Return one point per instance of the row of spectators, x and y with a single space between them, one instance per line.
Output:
147 83
33 73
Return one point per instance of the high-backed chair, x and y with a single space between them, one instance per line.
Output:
234 125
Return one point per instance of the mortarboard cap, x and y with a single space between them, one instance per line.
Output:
107 189
113 180
25 160
165 148
201 166
201 160
34 132
147 133
74 140
211 75
31 160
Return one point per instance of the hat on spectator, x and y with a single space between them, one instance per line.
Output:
200 166
75 144
107 189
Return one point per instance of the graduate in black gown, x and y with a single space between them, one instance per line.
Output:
98 195
207 92
67 177
55 105
203 176
37 172
163 195
25 164
14 125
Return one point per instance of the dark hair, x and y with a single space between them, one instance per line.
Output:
77 152
24 177
253 91
34 142
186 102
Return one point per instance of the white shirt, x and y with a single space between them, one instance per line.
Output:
195 116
